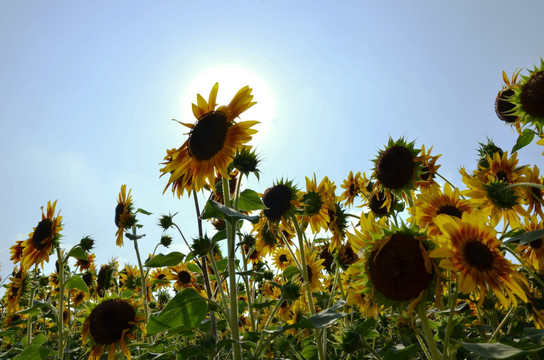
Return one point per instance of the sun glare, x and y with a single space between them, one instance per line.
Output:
232 78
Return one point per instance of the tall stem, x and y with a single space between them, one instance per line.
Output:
142 274
427 332
233 296
61 303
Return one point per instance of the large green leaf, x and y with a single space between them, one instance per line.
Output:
491 350
213 209
170 259
77 282
34 352
526 237
249 200
187 309
402 353
78 252
524 139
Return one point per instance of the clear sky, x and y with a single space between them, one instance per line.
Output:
88 91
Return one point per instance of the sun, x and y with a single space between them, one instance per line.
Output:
231 78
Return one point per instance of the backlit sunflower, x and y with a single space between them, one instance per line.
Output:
213 140
433 202
315 269
16 251
429 168
337 225
503 107
15 290
494 198
533 253
182 276
109 323
41 241
533 196
160 278
280 200
472 251
282 258
130 278
528 98
317 201
124 218
354 186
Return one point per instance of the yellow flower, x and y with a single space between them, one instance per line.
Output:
354 186
282 258
317 202
533 252
212 142
472 251
314 268
124 218
37 248
182 276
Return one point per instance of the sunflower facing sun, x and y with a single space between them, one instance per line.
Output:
213 140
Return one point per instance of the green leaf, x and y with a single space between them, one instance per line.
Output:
402 353
249 200
187 309
76 282
160 260
291 271
536 335
365 328
193 267
38 339
327 316
526 237
220 235
213 209
222 264
144 212
524 139
310 352
78 252
34 352
491 350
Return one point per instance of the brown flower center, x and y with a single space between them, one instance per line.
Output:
376 203
184 277
208 135
108 320
42 233
283 259
478 255
532 95
450 210
537 244
398 269
395 167
118 211
503 107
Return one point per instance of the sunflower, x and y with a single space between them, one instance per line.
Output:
346 256
494 198
533 196
160 278
280 200
533 253
88 264
433 202
78 297
317 202
429 168
40 242
109 323
501 168
399 269
354 186
396 169
314 267
212 142
124 218
15 289
129 277
16 251
503 107
472 251
182 276
337 225
528 98
282 258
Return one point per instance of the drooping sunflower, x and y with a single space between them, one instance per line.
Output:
471 250
182 276
528 98
124 218
433 202
129 277
16 251
212 142
88 264
41 241
15 289
280 200
109 323
354 186
337 225
503 107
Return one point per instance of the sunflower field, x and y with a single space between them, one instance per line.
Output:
394 263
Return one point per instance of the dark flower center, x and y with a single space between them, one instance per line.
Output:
376 204
347 256
184 277
118 211
398 269
478 255
283 259
108 320
450 210
532 95
42 232
278 201
537 244
161 276
503 107
208 135
310 275
328 257
395 167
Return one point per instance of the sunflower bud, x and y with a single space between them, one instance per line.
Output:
167 221
86 243
202 246
246 161
166 240
290 291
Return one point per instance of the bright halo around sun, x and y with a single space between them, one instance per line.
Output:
232 78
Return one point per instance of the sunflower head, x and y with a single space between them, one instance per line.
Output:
528 98
124 215
486 151
397 165
279 200
202 246
246 161
503 107
86 243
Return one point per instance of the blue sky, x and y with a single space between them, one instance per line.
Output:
88 91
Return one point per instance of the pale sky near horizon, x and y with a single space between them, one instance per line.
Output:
88 91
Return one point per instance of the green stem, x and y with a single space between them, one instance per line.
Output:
427 332
219 284
61 303
233 298
142 273
497 330
453 300
29 320
260 348
304 271
249 294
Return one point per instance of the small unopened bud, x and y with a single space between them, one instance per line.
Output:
166 240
